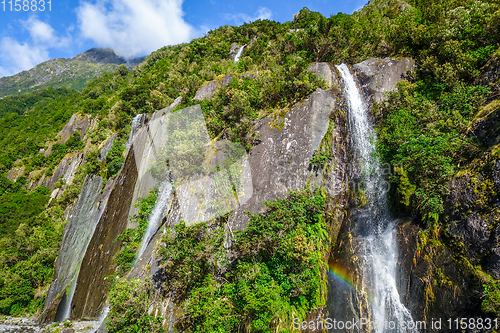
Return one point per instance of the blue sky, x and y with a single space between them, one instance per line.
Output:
131 27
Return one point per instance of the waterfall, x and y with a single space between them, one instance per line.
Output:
136 124
374 229
238 54
161 205
100 321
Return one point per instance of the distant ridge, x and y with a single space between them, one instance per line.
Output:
65 72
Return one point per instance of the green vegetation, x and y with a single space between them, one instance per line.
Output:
234 107
279 269
491 301
131 238
73 73
115 158
279 272
425 137
22 103
17 204
129 302
28 249
422 128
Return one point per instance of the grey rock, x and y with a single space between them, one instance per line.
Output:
145 144
108 144
280 159
76 237
15 173
66 170
475 232
76 123
487 128
97 264
382 75
420 277
233 50
208 89
490 72
326 71
493 263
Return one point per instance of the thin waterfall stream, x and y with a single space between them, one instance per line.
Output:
161 205
238 54
373 228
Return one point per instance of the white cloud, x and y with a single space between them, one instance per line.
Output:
39 31
17 56
134 27
263 13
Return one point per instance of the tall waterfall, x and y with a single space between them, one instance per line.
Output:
238 54
373 228
161 204
136 124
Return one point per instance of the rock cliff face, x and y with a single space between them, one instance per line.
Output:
208 89
97 264
283 159
486 127
280 159
76 237
380 76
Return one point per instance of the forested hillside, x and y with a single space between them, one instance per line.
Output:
73 73
439 130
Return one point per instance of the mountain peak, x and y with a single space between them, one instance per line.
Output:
101 56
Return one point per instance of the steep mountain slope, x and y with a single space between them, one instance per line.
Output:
272 135
63 72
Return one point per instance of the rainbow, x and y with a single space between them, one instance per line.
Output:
341 275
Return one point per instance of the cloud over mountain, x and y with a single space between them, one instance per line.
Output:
134 27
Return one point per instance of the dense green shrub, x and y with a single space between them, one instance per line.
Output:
27 258
115 158
22 103
279 272
491 297
422 131
131 238
129 301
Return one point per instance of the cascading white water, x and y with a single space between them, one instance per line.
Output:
378 244
100 320
161 205
136 123
238 54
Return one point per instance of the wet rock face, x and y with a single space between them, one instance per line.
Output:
233 51
487 129
75 239
491 72
106 147
92 284
473 212
381 75
280 159
66 170
436 285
